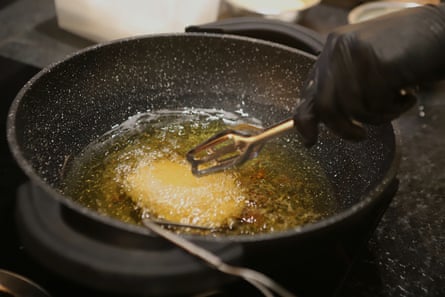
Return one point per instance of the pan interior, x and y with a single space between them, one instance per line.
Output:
138 169
73 103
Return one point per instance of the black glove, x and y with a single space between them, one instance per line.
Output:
365 72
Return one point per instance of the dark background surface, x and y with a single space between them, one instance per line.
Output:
406 255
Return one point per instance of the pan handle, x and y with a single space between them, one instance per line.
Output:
289 34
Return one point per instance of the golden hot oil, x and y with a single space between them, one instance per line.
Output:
284 187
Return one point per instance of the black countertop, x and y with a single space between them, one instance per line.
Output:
406 255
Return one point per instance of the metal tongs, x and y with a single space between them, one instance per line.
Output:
233 147
262 282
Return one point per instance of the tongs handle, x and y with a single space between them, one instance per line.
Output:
273 131
262 282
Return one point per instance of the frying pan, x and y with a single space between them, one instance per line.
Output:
73 102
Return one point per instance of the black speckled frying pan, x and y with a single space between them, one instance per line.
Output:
69 104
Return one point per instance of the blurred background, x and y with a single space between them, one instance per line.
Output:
39 32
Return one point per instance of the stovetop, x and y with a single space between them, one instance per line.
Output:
330 267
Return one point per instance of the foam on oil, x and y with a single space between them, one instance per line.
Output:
281 189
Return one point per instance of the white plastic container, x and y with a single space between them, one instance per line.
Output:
102 20
284 10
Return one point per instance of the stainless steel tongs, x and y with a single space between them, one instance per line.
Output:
262 282
233 147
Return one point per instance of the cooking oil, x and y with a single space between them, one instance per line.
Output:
282 188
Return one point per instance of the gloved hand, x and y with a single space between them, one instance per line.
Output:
365 72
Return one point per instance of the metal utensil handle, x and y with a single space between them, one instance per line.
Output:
262 282
274 131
